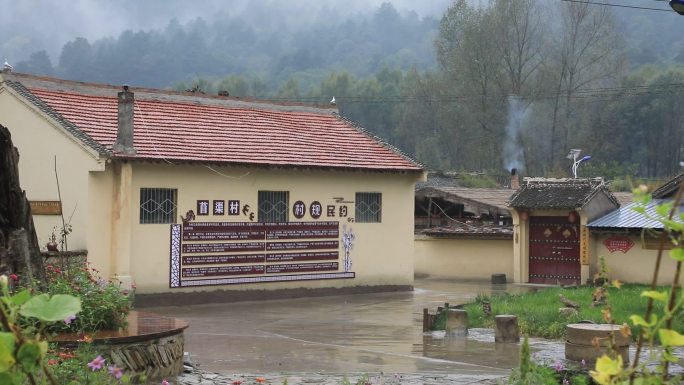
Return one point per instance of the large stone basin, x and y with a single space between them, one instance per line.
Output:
578 345
151 344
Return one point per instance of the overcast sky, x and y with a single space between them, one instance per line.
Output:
27 26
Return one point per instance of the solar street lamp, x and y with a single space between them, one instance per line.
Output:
574 153
678 6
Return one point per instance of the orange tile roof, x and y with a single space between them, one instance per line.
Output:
181 127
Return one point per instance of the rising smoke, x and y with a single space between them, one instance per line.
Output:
513 155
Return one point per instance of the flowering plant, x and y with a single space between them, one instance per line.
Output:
84 366
105 305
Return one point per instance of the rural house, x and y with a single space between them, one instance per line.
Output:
190 193
462 232
551 242
629 241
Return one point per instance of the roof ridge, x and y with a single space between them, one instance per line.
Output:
669 187
148 93
72 128
378 139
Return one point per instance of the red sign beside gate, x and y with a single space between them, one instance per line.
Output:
618 243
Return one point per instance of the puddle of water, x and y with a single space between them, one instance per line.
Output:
344 334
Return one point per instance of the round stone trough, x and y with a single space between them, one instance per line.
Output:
579 346
151 344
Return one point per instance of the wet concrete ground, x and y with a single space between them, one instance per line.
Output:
368 333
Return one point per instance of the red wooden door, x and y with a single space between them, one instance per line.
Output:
554 251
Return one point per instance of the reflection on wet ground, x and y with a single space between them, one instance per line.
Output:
344 334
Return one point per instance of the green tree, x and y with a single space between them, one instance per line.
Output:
38 63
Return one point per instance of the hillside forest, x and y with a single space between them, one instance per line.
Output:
483 88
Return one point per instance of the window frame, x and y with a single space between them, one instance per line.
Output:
367 214
267 216
159 195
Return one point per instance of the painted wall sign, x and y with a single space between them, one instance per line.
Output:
234 207
299 209
220 253
584 245
618 243
202 207
219 207
46 207
316 209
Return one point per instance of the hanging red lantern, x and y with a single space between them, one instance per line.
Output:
572 216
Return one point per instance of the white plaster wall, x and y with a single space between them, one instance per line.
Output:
467 259
39 140
382 253
635 266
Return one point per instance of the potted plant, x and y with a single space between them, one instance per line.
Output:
52 243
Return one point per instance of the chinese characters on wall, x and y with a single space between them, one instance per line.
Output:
223 252
219 207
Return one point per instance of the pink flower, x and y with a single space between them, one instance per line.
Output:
558 366
164 382
97 363
14 277
116 372
69 319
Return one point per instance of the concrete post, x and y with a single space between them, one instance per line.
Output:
456 322
506 328
121 224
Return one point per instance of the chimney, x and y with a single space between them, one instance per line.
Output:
515 179
124 134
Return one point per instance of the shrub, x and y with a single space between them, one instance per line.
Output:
104 305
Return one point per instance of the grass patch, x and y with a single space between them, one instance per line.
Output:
538 315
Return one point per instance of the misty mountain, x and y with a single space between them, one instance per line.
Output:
615 98
267 39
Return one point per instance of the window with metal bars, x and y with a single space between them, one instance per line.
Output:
158 205
274 206
368 207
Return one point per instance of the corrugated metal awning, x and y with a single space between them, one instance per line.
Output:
626 217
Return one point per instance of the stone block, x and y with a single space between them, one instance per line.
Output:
456 322
506 328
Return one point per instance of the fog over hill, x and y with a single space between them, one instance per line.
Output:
430 77
30 26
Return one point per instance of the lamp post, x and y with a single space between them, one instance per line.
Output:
574 153
678 6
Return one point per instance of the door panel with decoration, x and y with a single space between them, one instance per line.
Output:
554 251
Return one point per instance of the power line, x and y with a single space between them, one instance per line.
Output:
605 93
618 5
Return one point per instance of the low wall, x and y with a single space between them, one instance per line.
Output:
467 259
151 344
65 260
636 265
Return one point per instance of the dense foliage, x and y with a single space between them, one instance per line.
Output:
510 83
